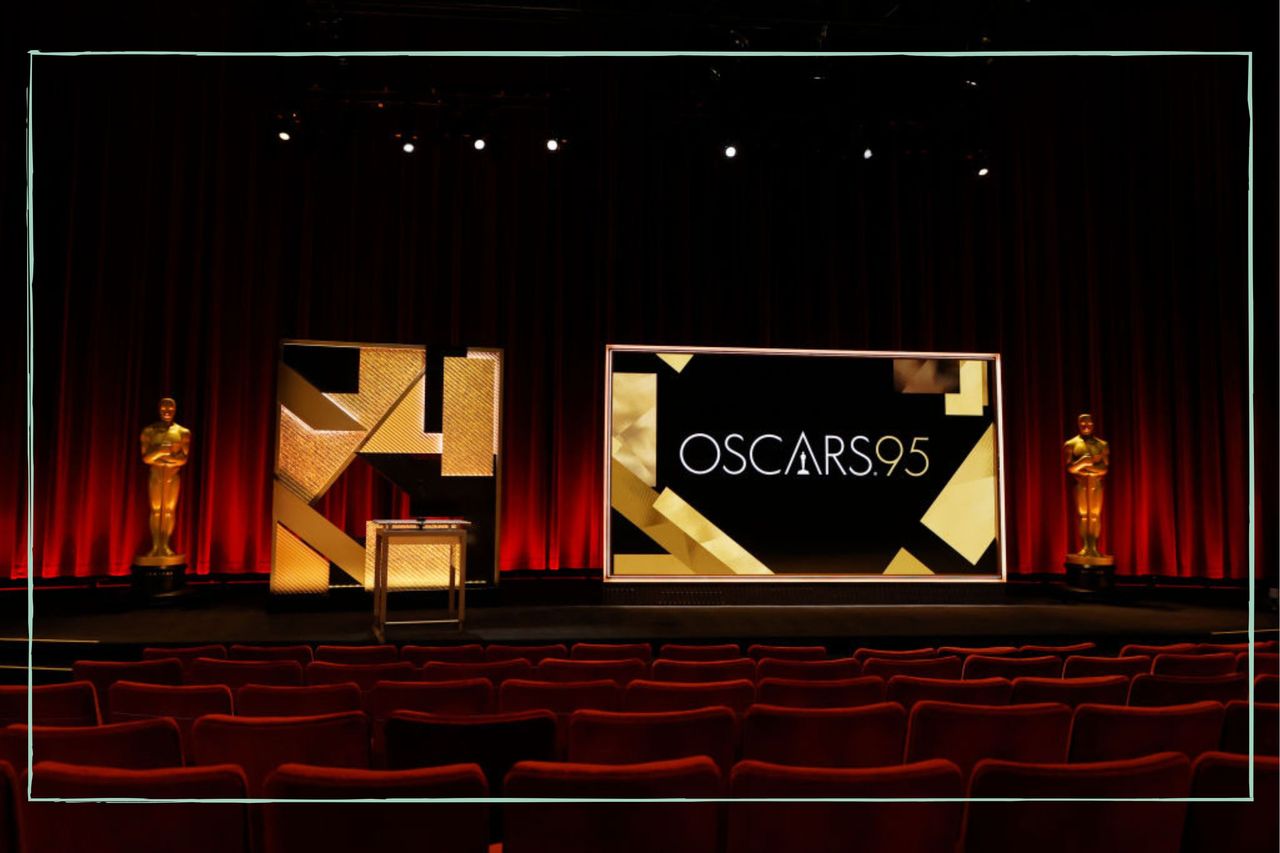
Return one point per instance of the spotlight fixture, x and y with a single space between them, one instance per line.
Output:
407 148
288 125
983 171
284 136
867 154
553 144
478 144
730 151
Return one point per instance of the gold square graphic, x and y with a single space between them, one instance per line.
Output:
410 565
469 408
635 424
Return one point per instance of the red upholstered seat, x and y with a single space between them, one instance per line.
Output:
1102 690
311 827
468 696
760 651
1263 664
984 666
9 798
496 671
621 671
493 741
366 675
184 704
613 827
938 667
1087 666
869 736
1152 651
357 654
1266 688
1215 648
907 690
559 697
802 693
261 744
966 734
301 653
269 700
103 673
836 669
1149 690
418 655
985 651
532 654
703 671
186 654
71 704
1069 827
1060 651
1235 827
641 695
1110 732
834 827
237 673
1266 728
683 651
139 745
1223 663
606 737
611 651
862 655
138 827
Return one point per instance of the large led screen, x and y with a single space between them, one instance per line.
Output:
817 465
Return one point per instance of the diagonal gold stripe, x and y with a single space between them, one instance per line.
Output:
676 360
401 430
296 567
318 532
906 563
649 564
706 534
964 512
309 460
631 497
315 409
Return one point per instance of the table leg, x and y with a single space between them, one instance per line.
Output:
462 580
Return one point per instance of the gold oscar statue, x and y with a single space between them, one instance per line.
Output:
1087 459
166 446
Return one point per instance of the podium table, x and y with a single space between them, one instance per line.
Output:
451 532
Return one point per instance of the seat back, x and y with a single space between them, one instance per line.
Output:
532 654
834 669
238 673
702 671
869 736
493 741
184 704
611 651
1266 728
950 666
186 654
1101 690
72 704
496 671
465 696
965 734
384 653
1104 827
642 695
1152 690
1111 733
1151 651
685 651
261 744
1263 664
466 653
559 697
864 654
985 666
1060 651
140 745
759 651
621 671
116 828
269 700
365 675
1248 827
301 653
907 690
984 651
607 737
102 674
1266 688
801 693
616 827
826 827
1221 663
308 827
1090 666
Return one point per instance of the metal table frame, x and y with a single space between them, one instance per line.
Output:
453 532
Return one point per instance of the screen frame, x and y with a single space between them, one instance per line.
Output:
997 417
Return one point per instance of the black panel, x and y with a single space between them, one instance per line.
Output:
435 385
332 370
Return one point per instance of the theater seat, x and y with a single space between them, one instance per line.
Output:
1151 690
466 653
641 695
1223 663
1266 728
1069 827
614 827
870 736
801 693
703 671
1266 688
1263 664
759 651
238 673
468 696
261 744
1235 827
11 790
863 654
136 827
301 653
384 653
836 827
819 670
140 745
621 671
1112 733
966 734
186 654
606 737
611 651
907 690
1152 651
938 667
559 697
984 651
312 827
102 674
269 700
1060 651
1102 690
532 654
493 741
71 704
184 704
1087 666
683 651
984 666
365 675
495 671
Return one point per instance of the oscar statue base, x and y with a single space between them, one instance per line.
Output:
1091 574
160 580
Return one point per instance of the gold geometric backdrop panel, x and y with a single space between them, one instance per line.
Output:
469 408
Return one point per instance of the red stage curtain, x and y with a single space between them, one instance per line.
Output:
177 241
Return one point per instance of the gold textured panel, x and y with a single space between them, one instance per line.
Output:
634 424
925 376
318 532
710 537
906 563
401 430
496 359
469 410
410 565
631 497
312 408
964 512
677 360
296 568
385 373
648 564
972 396
309 460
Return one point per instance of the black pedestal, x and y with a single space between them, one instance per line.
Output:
1086 575
159 585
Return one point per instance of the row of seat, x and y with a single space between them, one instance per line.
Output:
941 822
